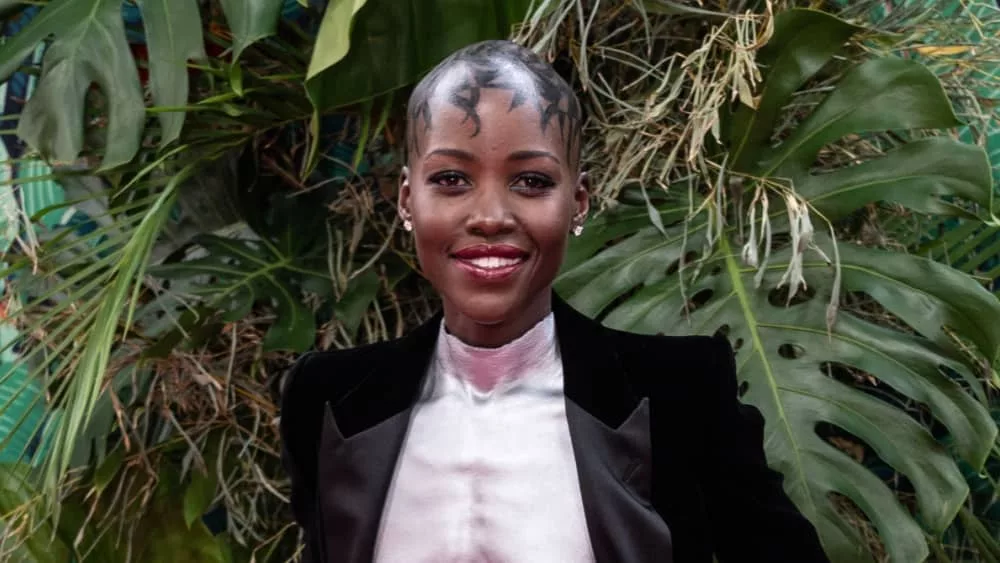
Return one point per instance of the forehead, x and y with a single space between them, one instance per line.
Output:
494 108
491 126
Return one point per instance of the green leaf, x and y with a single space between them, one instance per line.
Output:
250 21
334 37
803 41
242 272
787 355
389 47
915 175
798 388
22 407
361 291
173 36
90 47
198 497
107 470
879 95
168 539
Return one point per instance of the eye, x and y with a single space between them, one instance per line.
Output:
449 179
533 182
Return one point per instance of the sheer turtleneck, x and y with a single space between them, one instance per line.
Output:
485 371
487 472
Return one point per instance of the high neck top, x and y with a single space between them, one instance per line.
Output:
495 370
487 472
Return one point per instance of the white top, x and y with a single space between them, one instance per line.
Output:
487 472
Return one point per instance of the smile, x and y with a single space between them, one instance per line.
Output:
490 262
494 262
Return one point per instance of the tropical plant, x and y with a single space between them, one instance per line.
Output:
146 388
735 251
254 217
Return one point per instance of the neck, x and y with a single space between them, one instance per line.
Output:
496 334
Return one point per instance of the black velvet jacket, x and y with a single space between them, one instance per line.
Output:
657 431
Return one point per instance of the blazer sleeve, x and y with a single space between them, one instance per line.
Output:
299 441
751 517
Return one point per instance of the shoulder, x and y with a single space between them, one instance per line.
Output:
315 380
697 363
663 344
685 353
322 376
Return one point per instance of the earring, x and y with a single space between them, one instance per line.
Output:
578 230
407 225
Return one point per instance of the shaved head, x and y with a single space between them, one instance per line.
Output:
459 80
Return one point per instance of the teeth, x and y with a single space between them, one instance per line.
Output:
493 262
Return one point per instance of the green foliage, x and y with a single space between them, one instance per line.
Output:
969 246
286 257
90 47
179 365
389 42
166 529
388 53
173 36
23 410
251 20
700 276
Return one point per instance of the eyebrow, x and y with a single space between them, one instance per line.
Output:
514 156
456 153
528 155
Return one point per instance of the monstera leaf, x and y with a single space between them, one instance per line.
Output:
90 47
792 354
233 274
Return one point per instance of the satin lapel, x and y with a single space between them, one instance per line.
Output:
363 434
609 426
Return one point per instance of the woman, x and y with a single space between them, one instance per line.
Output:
510 428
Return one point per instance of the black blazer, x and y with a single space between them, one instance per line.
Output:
657 431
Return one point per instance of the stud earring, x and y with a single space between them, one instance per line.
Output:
407 225
578 230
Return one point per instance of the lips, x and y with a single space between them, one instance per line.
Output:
490 261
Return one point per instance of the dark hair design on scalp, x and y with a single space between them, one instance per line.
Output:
498 64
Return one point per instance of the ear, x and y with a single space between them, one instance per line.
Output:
403 202
581 199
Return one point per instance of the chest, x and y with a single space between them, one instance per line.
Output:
486 480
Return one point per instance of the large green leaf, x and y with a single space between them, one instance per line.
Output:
818 36
239 273
281 254
90 47
788 354
173 36
251 20
334 37
389 46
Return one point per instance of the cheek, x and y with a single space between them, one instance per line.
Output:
432 228
550 231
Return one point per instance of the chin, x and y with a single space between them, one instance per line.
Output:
487 309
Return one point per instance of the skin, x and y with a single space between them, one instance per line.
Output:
492 165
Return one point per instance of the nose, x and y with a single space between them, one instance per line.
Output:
491 212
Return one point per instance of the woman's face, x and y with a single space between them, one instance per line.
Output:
492 198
